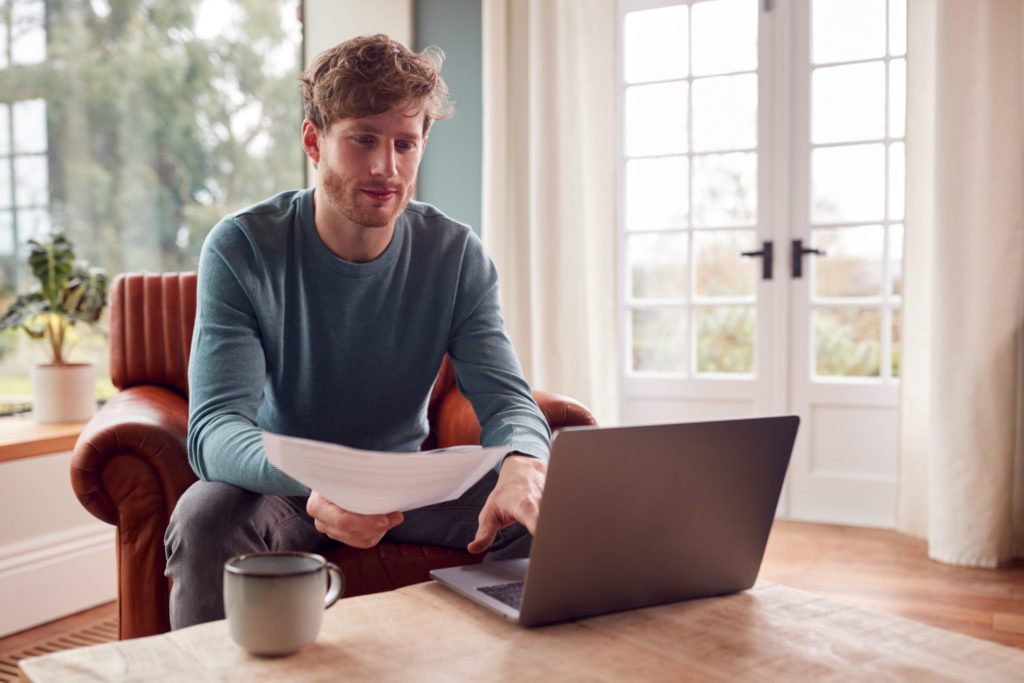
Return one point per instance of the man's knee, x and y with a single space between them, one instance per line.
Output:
209 512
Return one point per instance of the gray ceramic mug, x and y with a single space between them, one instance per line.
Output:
275 601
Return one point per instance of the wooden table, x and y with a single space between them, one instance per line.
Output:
426 633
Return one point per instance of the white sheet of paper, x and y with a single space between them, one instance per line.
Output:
376 482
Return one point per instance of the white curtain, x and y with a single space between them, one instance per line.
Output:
549 209
961 406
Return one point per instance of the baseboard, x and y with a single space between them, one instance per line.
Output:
55 575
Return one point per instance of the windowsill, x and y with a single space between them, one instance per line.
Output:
23 437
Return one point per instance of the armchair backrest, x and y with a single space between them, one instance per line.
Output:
151 321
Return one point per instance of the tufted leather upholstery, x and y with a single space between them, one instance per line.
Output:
130 464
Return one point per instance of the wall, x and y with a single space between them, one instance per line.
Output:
450 174
55 557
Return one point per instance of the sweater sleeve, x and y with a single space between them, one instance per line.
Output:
486 366
227 373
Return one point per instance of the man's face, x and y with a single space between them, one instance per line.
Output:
367 167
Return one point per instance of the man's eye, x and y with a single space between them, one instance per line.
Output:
364 139
403 146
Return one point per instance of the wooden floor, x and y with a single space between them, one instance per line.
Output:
872 568
889 572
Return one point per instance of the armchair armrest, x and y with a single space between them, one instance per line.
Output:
141 427
128 468
457 423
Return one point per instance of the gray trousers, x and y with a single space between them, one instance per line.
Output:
214 521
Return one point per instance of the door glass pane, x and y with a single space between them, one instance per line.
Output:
656 119
659 340
725 339
656 193
848 103
897 98
896 259
656 44
848 183
897 27
852 264
720 269
897 180
725 113
724 36
847 30
847 341
724 190
657 266
897 323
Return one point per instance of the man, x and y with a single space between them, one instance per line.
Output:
326 313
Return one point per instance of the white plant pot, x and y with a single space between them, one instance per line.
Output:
63 393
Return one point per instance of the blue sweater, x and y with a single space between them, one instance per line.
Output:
292 339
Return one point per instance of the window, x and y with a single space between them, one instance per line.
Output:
134 126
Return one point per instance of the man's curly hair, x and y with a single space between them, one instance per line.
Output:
371 75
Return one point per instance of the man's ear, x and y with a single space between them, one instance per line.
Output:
311 141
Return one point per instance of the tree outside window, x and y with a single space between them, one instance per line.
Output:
133 126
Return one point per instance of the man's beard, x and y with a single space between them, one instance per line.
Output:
357 207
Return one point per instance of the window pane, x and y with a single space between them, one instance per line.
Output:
5 130
725 113
724 190
32 180
656 193
30 127
656 119
7 245
848 183
6 196
721 271
657 266
656 44
847 342
852 264
846 30
848 103
724 36
28 35
167 117
659 340
725 339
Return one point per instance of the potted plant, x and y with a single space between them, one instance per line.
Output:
68 292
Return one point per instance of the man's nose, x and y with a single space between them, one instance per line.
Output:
385 162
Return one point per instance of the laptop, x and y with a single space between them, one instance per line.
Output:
639 516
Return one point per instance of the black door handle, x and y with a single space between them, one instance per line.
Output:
767 255
798 257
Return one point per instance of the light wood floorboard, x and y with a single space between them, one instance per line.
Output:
886 571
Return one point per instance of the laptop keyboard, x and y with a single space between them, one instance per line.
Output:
509 593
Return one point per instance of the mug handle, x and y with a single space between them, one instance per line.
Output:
335 584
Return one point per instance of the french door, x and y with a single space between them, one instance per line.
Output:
761 230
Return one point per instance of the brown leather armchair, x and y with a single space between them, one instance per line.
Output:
130 465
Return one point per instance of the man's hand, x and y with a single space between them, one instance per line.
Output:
358 531
515 498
